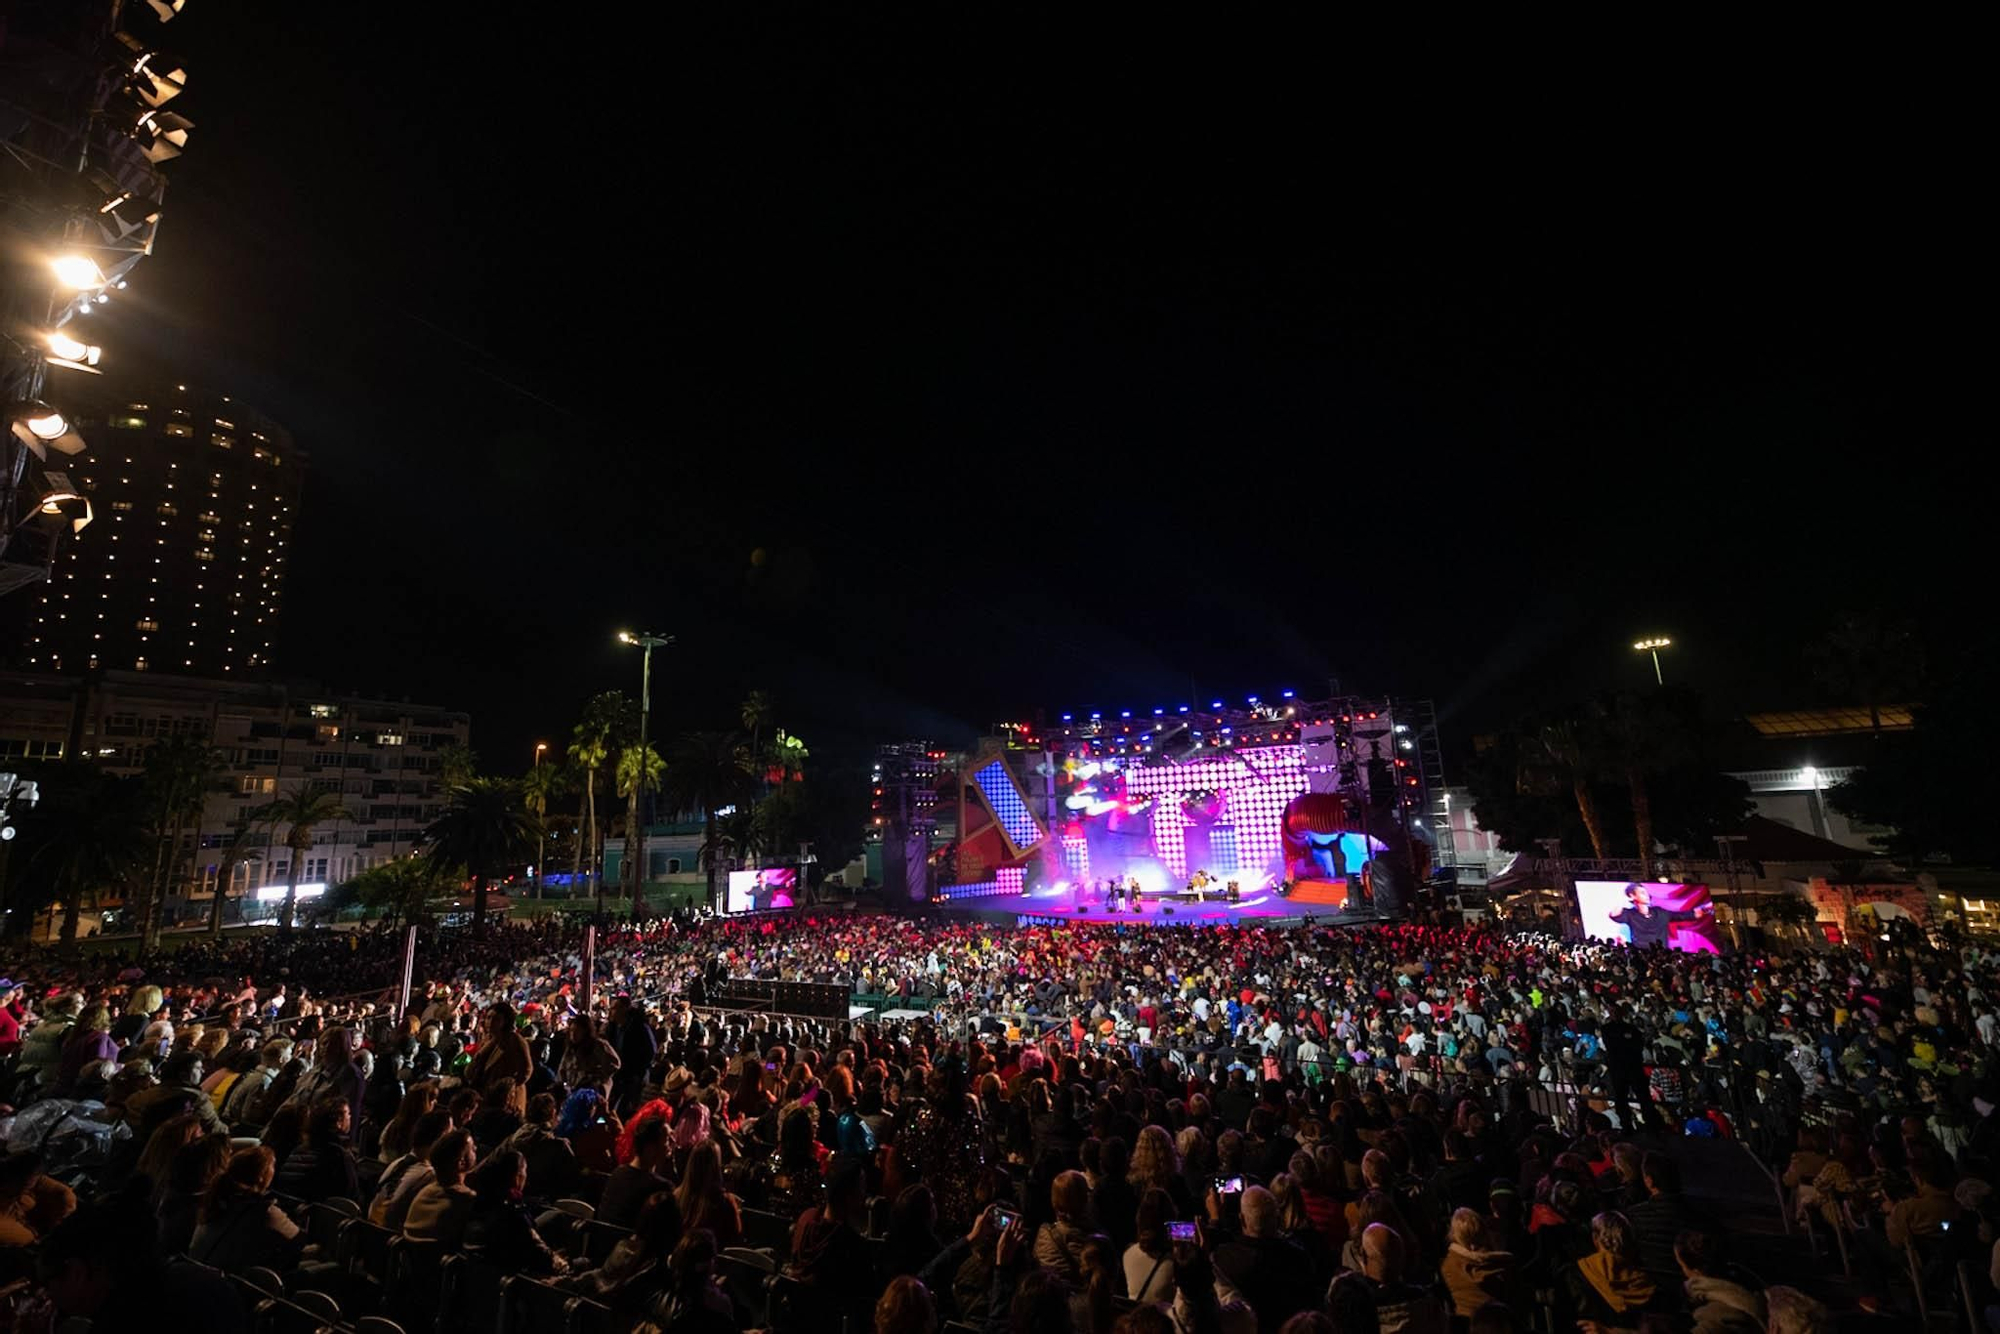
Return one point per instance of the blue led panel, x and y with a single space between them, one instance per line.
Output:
997 786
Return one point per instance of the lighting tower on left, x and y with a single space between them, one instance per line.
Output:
84 128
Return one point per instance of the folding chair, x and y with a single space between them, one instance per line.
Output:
575 1208
799 1308
276 1316
532 1305
597 1240
324 1224
589 1317
416 1288
474 1287
762 1229
746 1277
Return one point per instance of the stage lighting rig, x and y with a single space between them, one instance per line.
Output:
84 125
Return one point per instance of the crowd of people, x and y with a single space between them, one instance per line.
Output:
1218 1129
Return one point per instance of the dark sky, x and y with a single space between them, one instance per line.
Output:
1062 369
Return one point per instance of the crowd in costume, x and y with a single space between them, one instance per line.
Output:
1093 1127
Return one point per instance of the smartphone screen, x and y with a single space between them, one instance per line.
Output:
1003 1217
1229 1185
1180 1232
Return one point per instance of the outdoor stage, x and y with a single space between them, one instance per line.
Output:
1263 908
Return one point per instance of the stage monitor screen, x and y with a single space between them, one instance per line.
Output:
1631 912
754 891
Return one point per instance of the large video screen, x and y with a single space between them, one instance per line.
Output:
754 891
1642 913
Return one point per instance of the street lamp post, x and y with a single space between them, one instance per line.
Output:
542 851
646 641
1653 644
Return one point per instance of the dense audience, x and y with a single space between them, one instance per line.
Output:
1090 1128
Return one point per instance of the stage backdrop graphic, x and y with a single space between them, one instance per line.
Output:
772 887
1609 914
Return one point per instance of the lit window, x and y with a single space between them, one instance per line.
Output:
326 710
204 554
121 506
167 508
149 624
389 739
127 422
139 665
227 426
180 429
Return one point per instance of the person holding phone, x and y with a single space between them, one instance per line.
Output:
1149 1261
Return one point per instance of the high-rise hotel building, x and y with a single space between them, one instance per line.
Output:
183 570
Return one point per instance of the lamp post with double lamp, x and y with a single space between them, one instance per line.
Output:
635 845
1653 644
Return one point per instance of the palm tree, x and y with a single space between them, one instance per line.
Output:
457 765
638 772
92 831
1638 734
398 888
486 828
542 782
707 771
243 848
592 744
180 773
1870 660
757 713
735 835
787 758
303 808
1566 748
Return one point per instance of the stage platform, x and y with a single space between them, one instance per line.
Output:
1265 907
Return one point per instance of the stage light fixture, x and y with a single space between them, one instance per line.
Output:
78 272
71 352
160 134
42 428
62 501
157 78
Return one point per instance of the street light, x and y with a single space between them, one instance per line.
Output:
1653 644
540 746
647 641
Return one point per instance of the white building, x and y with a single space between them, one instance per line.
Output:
382 757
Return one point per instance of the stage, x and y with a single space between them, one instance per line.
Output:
1263 908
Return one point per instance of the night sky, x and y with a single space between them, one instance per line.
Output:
1050 371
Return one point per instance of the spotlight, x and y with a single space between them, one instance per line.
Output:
78 271
63 500
156 78
160 134
42 428
69 352
44 422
